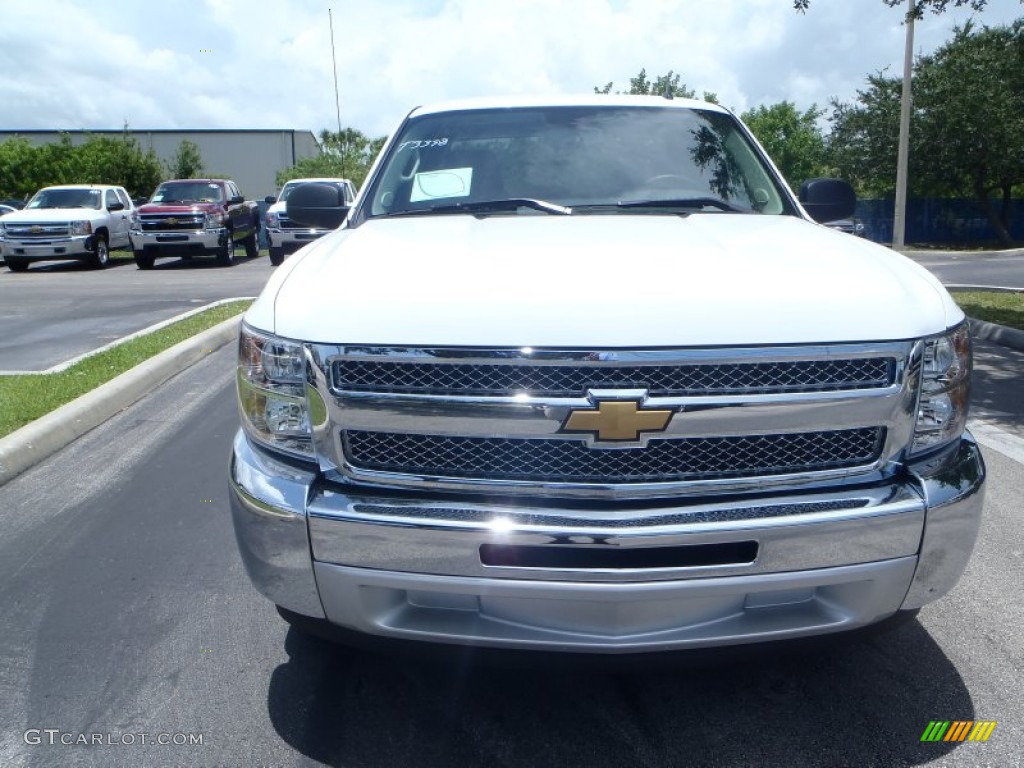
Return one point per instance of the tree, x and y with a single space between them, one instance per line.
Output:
346 154
791 138
967 129
187 162
25 168
642 86
935 6
970 98
862 144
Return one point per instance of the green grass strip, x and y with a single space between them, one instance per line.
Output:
1002 307
24 398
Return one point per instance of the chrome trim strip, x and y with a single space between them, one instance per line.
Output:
444 538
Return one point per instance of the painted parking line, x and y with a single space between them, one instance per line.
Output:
1007 443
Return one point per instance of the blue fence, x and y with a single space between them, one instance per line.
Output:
937 221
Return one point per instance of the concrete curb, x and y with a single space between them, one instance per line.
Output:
997 334
46 435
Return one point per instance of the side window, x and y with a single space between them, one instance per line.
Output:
350 192
123 196
111 198
233 190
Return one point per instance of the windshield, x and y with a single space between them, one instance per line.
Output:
65 198
188 192
593 159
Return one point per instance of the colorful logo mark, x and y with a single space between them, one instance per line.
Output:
958 730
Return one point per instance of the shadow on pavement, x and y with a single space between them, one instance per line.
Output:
997 389
857 702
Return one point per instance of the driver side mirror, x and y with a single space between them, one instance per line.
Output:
236 200
317 205
827 199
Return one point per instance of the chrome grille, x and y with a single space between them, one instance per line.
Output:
571 461
39 230
356 375
164 222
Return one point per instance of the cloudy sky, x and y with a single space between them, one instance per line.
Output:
267 63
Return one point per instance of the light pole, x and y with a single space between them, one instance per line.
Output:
900 219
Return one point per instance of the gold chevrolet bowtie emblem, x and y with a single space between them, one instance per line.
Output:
172 221
617 421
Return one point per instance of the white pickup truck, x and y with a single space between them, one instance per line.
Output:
582 374
76 221
285 236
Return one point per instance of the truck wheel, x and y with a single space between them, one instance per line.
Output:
16 265
101 257
226 253
144 260
252 246
276 256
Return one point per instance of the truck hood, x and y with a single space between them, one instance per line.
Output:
181 208
38 215
599 281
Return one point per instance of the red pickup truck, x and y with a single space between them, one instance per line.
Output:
195 217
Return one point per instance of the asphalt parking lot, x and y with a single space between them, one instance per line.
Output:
59 310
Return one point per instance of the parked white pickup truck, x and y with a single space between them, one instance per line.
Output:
285 236
583 375
79 221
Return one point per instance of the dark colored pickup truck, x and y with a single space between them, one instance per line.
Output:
195 217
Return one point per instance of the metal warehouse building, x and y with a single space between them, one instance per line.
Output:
251 157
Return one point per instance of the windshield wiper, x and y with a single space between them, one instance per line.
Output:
490 206
683 202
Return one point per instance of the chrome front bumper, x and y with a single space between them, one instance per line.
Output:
207 239
60 247
509 575
292 239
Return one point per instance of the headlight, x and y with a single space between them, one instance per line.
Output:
272 219
214 221
945 389
81 227
271 392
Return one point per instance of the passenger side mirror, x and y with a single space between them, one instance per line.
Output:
827 199
269 199
317 205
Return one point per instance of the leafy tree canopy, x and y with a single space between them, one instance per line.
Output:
346 154
26 168
187 162
791 138
935 6
641 85
967 126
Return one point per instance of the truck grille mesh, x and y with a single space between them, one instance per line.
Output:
169 222
571 461
573 380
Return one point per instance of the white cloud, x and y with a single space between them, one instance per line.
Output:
267 64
